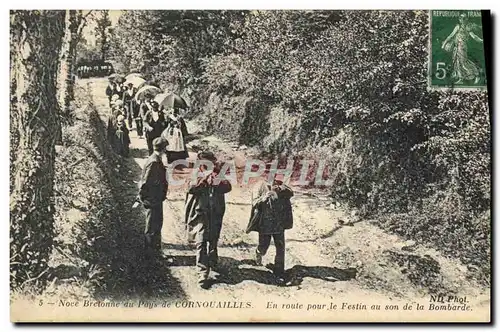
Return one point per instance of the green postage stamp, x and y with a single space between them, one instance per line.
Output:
456 50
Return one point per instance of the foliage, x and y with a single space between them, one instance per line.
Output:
349 83
102 32
86 52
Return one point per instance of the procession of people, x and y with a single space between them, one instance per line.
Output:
94 69
156 117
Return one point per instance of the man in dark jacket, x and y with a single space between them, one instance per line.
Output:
110 90
154 123
152 193
130 105
271 215
205 208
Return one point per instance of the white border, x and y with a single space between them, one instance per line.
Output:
191 4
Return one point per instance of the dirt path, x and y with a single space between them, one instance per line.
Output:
327 260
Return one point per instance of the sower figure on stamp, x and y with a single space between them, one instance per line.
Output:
205 208
152 193
271 215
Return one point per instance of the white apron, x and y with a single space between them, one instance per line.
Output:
173 135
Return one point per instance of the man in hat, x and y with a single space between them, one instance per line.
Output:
205 208
154 124
152 193
271 215
110 89
130 104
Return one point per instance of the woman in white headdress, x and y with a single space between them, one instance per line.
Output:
176 133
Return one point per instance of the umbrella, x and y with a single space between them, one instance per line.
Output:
171 100
161 98
112 77
136 81
129 76
147 89
116 77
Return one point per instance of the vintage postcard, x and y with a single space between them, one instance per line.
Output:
250 166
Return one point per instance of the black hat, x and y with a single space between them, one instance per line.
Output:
207 155
154 104
159 144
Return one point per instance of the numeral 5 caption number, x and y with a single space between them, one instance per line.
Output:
440 70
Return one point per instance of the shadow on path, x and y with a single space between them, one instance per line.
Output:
232 272
132 274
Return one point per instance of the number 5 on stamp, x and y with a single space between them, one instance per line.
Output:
456 50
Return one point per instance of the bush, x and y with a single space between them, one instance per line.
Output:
87 218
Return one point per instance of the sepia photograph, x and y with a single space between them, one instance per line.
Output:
250 165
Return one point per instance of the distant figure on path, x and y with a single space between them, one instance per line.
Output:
271 215
122 137
152 193
154 124
110 90
130 103
114 113
119 90
204 210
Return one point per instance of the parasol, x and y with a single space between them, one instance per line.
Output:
116 77
136 81
112 77
129 76
161 98
171 100
147 89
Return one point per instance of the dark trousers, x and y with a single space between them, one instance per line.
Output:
149 141
138 126
129 118
154 223
206 249
279 243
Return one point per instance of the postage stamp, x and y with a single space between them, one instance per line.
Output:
456 50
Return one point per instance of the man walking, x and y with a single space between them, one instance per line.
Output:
154 123
271 215
205 208
152 193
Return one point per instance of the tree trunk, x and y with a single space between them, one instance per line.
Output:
36 38
66 77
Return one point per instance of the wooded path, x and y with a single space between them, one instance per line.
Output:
328 258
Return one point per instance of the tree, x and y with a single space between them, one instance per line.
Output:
36 38
102 26
74 23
